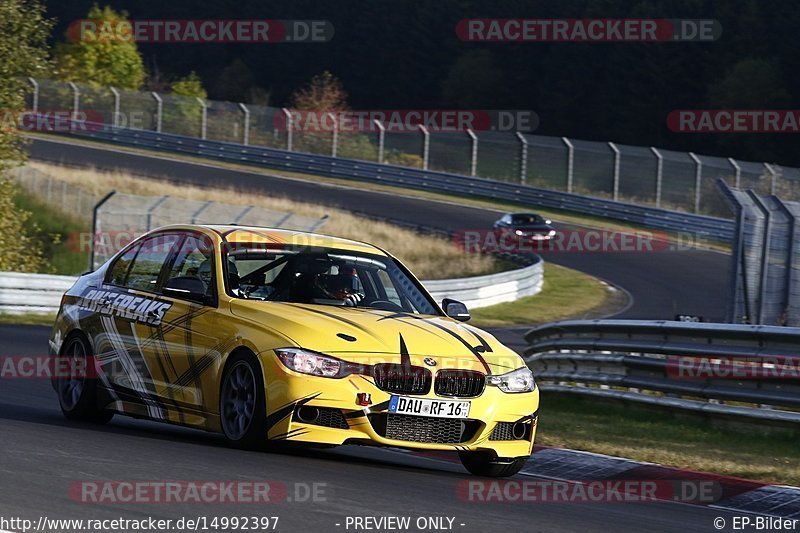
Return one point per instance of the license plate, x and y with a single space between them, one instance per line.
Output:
403 405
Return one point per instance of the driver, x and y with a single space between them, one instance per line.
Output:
345 286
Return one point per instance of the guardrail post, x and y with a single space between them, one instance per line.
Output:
203 119
698 176
616 151
334 136
774 176
115 116
35 96
570 162
152 209
289 132
473 162
659 173
523 158
426 145
246 124
76 102
738 172
159 110
96 209
381 139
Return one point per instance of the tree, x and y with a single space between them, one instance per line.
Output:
23 52
324 92
191 85
19 250
101 51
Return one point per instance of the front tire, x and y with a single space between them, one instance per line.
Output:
484 464
77 394
242 403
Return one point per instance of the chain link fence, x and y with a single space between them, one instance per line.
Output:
643 175
119 218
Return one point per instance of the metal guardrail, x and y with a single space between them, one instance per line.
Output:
351 169
39 293
685 366
32 293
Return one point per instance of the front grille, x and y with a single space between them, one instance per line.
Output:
460 383
332 418
505 431
402 379
424 428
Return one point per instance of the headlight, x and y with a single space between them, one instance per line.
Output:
519 380
518 232
551 232
313 364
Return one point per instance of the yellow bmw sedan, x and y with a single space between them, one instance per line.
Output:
273 336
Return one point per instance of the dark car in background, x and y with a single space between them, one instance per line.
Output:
526 225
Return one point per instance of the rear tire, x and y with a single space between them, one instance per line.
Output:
484 464
243 404
77 395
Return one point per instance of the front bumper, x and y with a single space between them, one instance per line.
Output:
488 428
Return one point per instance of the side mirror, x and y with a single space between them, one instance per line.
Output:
455 309
187 288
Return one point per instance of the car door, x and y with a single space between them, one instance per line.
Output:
192 336
129 312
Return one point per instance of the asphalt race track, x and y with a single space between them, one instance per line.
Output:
662 284
43 456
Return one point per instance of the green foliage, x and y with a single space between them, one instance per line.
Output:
19 251
102 53
191 85
23 52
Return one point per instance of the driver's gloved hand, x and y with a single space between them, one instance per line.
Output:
352 300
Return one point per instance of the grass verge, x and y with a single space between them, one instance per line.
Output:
28 319
51 228
672 440
566 293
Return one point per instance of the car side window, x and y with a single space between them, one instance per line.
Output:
118 273
146 269
195 258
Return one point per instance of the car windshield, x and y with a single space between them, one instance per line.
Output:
527 219
324 276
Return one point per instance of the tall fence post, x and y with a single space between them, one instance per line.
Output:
246 124
473 160
659 173
698 177
115 116
765 245
203 119
615 192
95 232
426 145
570 162
289 132
76 103
381 139
35 96
334 136
791 220
773 177
737 177
159 110
523 158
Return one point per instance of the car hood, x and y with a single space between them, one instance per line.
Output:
372 336
534 227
